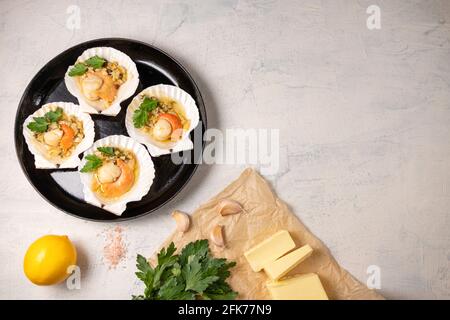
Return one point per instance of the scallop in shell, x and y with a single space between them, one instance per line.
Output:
167 126
114 171
100 88
57 133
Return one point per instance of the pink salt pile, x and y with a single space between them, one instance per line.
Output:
114 251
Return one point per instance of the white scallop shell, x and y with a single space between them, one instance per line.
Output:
140 188
40 161
125 91
162 90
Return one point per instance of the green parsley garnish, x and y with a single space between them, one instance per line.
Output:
40 124
193 274
54 116
95 62
140 115
109 151
93 162
80 68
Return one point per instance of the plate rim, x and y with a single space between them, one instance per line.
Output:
17 131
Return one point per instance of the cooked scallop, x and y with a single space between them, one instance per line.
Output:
102 90
162 130
108 173
90 84
119 177
57 143
53 137
169 123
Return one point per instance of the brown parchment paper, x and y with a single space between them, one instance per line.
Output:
264 215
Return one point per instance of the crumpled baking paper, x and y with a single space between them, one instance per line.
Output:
264 215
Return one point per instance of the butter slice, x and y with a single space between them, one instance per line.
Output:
300 287
269 250
279 268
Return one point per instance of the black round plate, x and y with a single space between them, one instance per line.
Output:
62 188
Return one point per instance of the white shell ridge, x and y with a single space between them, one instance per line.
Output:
142 185
40 161
168 91
125 91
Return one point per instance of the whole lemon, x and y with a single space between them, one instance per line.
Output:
48 258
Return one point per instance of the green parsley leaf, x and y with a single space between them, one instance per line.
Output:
93 162
219 290
193 274
171 290
109 151
166 254
95 62
199 248
161 272
39 124
148 104
140 118
78 70
54 116
143 265
145 274
140 115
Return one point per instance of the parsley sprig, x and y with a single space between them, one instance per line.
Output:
193 274
109 151
140 115
80 68
95 62
92 162
40 124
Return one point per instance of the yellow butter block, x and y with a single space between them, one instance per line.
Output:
280 267
269 250
300 287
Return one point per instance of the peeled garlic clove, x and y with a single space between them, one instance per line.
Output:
228 207
182 220
217 236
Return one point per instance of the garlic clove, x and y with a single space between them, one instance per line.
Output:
217 236
228 207
182 220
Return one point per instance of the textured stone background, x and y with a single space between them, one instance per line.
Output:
364 119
